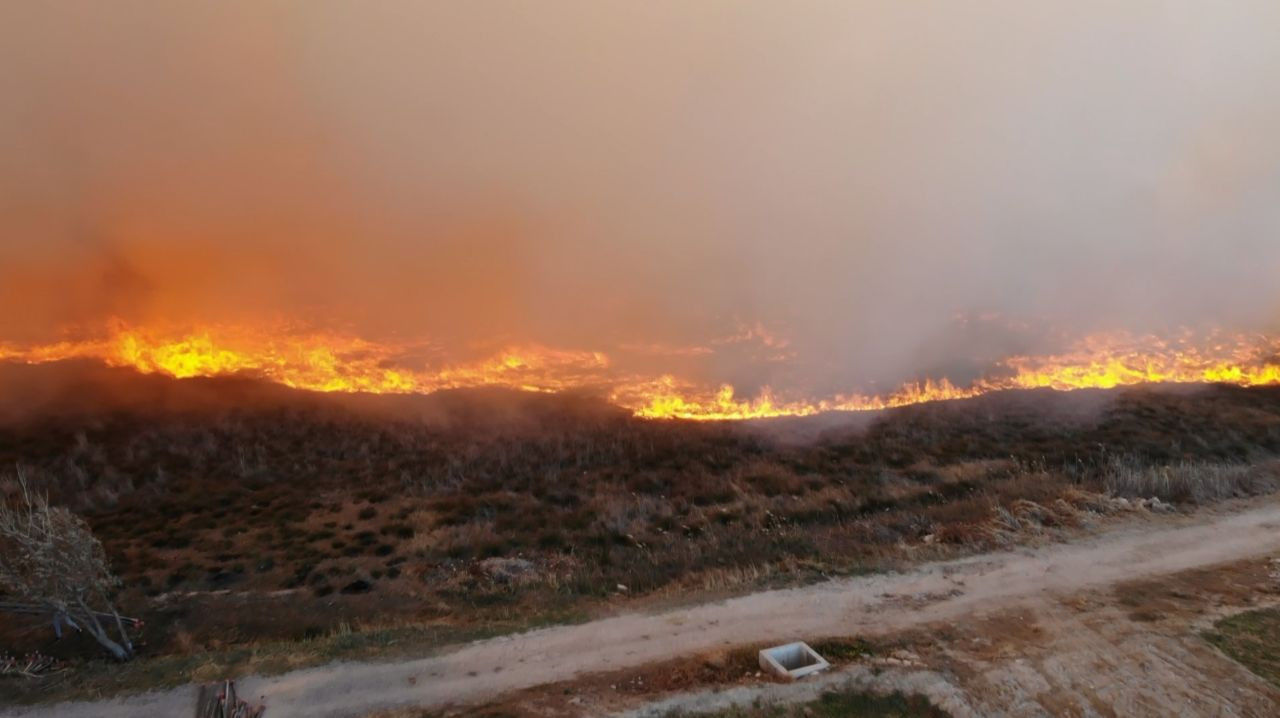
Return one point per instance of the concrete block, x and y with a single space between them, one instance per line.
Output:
792 660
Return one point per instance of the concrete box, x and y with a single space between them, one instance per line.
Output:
792 660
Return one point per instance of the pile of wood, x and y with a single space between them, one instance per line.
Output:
32 665
219 700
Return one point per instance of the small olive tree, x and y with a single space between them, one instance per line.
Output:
50 559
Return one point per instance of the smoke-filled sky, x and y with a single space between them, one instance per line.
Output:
852 176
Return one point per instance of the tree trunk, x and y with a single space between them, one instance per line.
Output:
124 635
117 651
91 624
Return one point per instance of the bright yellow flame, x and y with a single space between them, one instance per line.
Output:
1099 361
668 399
326 361
316 361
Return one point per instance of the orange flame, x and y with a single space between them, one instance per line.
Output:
328 361
1102 361
316 361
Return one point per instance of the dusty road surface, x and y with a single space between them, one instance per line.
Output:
1133 650
1024 580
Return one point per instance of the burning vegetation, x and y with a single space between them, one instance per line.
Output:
328 361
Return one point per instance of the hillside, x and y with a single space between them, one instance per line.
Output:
238 512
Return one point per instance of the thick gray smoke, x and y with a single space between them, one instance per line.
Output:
851 175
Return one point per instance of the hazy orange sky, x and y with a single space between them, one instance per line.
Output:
850 175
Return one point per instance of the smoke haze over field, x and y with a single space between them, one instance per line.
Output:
661 176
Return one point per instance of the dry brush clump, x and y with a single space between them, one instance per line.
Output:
50 560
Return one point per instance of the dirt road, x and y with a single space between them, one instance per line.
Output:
863 606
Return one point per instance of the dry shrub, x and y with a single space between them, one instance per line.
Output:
51 562
965 534
478 538
1065 514
1082 501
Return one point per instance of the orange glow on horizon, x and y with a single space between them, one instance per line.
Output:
334 362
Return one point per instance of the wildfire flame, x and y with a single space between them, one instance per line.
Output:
329 362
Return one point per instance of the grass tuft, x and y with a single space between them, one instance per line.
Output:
1251 638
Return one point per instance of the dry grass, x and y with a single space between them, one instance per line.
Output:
1189 482
313 496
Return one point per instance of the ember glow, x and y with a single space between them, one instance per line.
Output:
336 362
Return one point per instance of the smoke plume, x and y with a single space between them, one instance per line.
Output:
810 195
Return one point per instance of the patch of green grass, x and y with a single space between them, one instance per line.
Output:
1253 639
835 704
842 650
